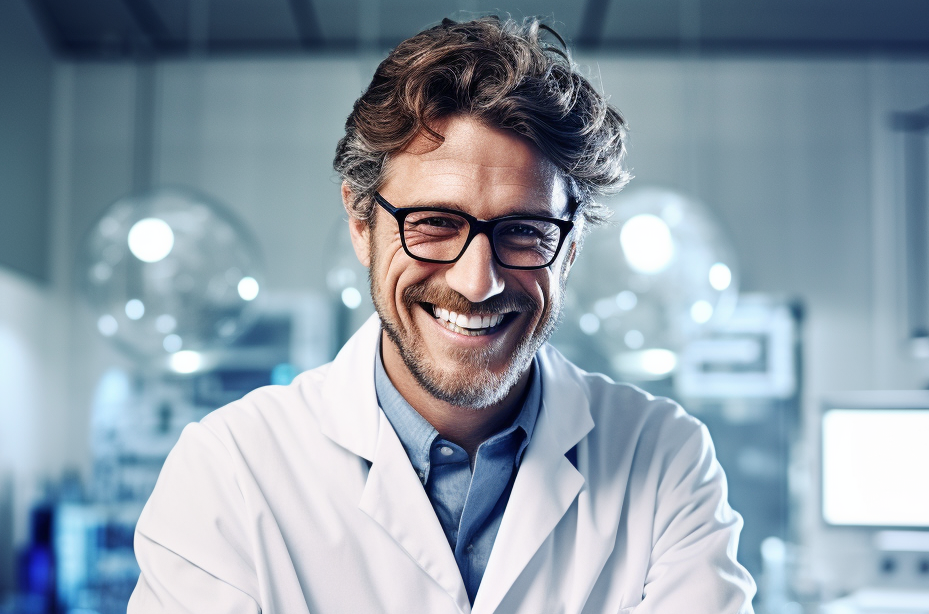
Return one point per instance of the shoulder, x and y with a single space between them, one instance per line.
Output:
613 403
626 418
270 417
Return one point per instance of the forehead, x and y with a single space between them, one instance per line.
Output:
485 171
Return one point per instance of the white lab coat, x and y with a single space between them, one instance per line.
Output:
301 499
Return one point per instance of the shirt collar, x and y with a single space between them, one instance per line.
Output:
417 435
414 431
530 411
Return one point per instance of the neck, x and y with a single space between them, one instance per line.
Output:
466 426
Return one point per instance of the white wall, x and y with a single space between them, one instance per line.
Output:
793 155
31 400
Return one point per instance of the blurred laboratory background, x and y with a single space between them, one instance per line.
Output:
172 237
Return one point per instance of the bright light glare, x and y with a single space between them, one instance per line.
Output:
647 243
701 312
172 343
720 276
773 549
185 361
634 339
650 364
589 323
135 309
351 297
151 239
107 325
658 361
248 288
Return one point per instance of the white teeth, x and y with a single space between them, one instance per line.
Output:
466 324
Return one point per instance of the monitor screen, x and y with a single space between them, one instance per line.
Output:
875 466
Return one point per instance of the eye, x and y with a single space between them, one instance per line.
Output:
527 233
434 224
524 231
437 221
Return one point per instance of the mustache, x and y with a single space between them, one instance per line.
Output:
444 297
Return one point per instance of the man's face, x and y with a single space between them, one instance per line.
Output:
487 173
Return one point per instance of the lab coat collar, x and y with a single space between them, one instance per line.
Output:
351 414
545 486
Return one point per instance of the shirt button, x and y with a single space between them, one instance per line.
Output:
446 451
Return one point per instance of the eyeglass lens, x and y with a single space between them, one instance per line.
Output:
437 235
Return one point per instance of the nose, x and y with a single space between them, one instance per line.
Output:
475 275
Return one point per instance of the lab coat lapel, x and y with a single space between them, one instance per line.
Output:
546 483
350 416
395 499
393 496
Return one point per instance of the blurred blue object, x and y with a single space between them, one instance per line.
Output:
97 570
283 374
37 564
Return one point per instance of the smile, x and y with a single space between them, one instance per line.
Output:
472 325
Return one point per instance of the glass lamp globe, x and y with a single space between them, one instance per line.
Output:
169 270
660 274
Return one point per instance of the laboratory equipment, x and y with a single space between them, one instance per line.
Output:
169 270
875 461
874 485
661 273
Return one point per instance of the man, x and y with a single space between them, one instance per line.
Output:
448 460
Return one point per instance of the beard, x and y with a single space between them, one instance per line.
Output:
471 382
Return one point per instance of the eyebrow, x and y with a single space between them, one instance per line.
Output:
455 207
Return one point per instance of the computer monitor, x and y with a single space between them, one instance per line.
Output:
875 460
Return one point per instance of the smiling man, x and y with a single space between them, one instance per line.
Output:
448 460
461 333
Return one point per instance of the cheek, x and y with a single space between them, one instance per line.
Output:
397 272
537 285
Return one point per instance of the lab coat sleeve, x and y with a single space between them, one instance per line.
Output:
192 539
693 565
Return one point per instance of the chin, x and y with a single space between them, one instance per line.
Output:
476 389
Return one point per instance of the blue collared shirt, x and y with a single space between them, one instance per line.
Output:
469 505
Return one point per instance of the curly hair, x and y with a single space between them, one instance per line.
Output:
506 74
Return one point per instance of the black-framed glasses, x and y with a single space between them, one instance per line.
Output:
441 236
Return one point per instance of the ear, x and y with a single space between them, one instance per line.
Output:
358 229
569 260
574 246
572 254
